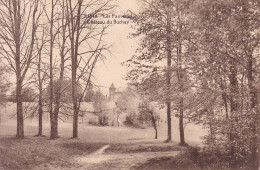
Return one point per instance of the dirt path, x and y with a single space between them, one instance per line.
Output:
100 160
101 150
94 158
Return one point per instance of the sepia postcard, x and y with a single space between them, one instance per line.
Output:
129 84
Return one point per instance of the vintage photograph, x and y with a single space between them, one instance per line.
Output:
129 84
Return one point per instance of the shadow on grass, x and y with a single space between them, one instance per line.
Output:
32 152
143 147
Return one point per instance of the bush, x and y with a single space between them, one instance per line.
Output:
103 120
92 122
196 158
129 121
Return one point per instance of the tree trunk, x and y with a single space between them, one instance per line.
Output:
234 107
181 106
75 124
224 97
117 118
40 102
74 69
180 79
40 112
168 75
19 81
169 122
58 98
58 101
254 111
74 97
156 136
154 120
19 97
52 117
58 94
182 140
55 124
234 88
19 102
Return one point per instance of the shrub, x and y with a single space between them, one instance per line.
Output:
103 120
196 158
92 122
129 121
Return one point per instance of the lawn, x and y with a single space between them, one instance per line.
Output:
128 147
32 152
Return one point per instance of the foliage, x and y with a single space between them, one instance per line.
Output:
132 121
65 88
228 68
100 108
129 121
214 69
103 120
99 102
196 158
148 114
165 30
128 100
89 95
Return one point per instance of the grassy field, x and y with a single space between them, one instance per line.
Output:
128 147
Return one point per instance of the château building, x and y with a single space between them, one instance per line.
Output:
113 93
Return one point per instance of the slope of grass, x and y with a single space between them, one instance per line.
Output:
32 152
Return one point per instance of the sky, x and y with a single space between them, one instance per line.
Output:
111 71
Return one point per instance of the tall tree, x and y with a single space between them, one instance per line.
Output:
183 35
56 15
19 22
85 39
54 130
40 73
62 36
165 29
169 63
155 23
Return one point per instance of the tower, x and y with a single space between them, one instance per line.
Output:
112 92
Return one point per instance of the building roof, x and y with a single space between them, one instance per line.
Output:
112 86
